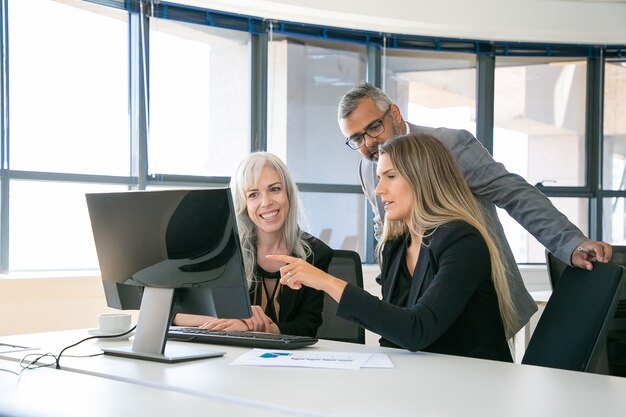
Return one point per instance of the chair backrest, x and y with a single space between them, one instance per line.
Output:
557 266
346 265
571 332
619 257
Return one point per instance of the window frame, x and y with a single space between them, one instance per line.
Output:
487 52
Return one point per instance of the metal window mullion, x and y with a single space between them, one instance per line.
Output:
4 138
560 192
611 194
593 144
485 78
117 4
68 177
373 75
329 188
237 21
373 67
138 39
258 87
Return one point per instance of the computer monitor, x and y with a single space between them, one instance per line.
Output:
168 252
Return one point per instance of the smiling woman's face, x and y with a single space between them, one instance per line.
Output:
267 202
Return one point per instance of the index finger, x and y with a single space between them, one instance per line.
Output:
284 258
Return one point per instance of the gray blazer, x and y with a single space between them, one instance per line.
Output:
493 185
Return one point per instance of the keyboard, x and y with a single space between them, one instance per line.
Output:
245 339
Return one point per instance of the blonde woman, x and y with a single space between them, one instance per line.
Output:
443 283
270 221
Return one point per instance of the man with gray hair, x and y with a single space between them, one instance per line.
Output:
367 118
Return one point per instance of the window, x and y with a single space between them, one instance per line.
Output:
69 127
525 247
614 211
614 151
199 99
68 90
337 219
50 228
433 89
614 145
305 82
539 119
539 133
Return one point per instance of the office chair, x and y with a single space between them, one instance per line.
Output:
346 265
557 266
571 332
613 358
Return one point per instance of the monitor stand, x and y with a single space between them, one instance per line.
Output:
151 334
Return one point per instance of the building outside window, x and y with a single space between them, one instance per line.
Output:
306 79
539 133
68 91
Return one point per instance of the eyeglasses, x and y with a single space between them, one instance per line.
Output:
373 130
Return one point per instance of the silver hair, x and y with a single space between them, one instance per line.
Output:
246 177
362 90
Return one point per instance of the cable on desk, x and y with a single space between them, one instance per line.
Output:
9 371
35 363
58 357
85 356
25 363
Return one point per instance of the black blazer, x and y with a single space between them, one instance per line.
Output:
301 310
452 305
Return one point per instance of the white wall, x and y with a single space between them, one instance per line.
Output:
567 21
30 305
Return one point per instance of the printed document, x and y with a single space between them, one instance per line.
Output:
313 359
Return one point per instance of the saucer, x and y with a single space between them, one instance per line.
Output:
97 332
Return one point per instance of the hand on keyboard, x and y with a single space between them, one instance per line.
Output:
259 322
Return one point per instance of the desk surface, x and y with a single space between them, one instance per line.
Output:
422 383
47 392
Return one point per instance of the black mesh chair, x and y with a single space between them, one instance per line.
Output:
346 265
571 332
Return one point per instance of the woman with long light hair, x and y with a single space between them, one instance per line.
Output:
270 221
443 283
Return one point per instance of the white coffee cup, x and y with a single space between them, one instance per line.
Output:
113 323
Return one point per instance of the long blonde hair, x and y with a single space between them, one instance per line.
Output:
441 196
246 177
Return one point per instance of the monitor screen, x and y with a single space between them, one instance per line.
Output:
168 252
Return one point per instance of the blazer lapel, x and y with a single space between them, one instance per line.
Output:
419 276
392 274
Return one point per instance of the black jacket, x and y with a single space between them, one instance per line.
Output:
452 306
301 310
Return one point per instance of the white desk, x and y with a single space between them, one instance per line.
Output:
421 383
47 392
